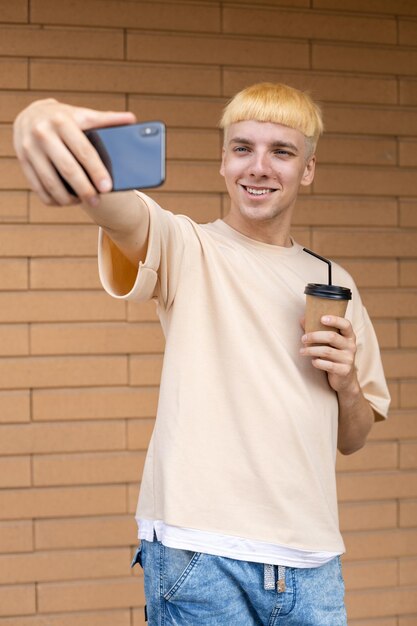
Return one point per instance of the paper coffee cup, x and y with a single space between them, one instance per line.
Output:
324 300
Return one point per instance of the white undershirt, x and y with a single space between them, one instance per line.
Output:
232 547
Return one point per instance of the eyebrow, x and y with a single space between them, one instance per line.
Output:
274 144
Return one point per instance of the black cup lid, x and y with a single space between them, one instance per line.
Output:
332 292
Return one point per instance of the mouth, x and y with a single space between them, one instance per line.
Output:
258 191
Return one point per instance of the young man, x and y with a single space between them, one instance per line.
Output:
237 512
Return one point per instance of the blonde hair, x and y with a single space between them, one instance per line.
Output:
277 103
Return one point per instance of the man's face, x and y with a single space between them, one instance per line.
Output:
264 165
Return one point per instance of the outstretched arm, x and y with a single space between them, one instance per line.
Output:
336 357
48 137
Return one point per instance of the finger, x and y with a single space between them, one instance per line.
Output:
90 118
340 323
35 183
328 338
327 353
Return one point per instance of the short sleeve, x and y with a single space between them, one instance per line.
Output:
370 370
157 276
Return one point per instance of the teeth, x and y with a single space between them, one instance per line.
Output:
258 192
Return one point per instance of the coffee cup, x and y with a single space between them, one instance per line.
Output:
324 300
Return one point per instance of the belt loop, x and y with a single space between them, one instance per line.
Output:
281 578
269 577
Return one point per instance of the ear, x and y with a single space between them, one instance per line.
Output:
222 163
309 171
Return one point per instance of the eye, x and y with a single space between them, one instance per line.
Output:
240 149
282 152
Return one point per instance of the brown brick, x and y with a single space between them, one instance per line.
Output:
65 274
381 543
180 111
170 16
62 437
6 138
94 594
15 471
368 515
11 176
13 274
89 618
139 433
324 87
59 42
138 617
17 600
13 74
132 498
358 486
123 77
365 243
365 181
375 59
400 364
371 273
12 102
62 501
193 144
14 11
191 175
389 621
145 370
408 455
408 334
400 425
14 339
398 7
408 213
409 620
28 240
43 214
394 390
408 572
387 333
93 403
142 311
16 536
397 303
381 573
58 371
201 208
335 210
59 306
96 338
308 24
13 206
85 532
219 50
381 602
408 91
369 120
83 469
408 152
372 457
64 565
408 273
408 513
408 394
357 150
14 406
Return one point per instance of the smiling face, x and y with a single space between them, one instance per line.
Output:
264 165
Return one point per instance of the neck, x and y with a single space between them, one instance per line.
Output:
266 231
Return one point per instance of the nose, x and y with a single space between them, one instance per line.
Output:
260 165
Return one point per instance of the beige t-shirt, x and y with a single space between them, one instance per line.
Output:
245 437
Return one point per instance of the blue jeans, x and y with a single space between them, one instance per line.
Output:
185 588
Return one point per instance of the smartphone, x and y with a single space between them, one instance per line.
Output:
133 154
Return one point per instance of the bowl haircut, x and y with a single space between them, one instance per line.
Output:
280 104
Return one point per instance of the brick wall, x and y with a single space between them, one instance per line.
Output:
79 371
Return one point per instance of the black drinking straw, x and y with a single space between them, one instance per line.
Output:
321 259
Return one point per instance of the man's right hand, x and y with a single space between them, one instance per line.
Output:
48 135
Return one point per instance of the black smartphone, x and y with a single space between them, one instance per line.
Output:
133 154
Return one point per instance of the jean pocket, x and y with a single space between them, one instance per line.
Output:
179 566
137 557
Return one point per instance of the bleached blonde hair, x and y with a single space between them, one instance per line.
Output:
277 103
